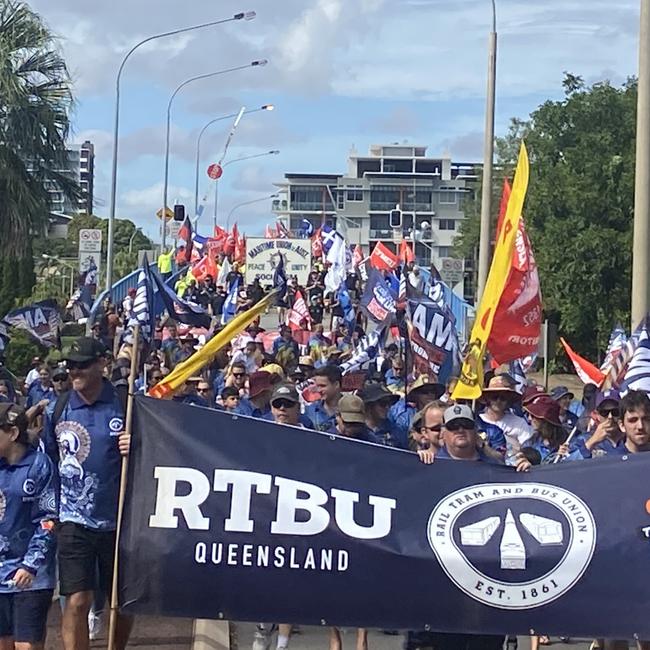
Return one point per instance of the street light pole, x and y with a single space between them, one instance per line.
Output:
266 107
273 152
248 15
241 205
641 239
488 158
135 232
178 88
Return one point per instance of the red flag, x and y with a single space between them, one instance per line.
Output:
283 233
317 244
405 252
503 206
220 233
382 258
518 316
214 246
231 241
240 250
185 232
299 313
268 232
357 256
588 373
204 267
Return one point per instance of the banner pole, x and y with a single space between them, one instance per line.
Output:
112 623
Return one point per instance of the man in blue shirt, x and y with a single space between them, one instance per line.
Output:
323 412
606 437
377 402
81 436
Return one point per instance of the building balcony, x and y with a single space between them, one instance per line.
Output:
386 206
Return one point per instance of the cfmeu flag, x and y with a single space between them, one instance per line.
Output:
193 365
470 382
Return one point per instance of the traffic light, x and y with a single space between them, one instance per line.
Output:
179 213
395 218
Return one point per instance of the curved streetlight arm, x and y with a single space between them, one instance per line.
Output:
273 152
241 205
247 15
494 16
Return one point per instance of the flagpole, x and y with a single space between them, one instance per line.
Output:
112 623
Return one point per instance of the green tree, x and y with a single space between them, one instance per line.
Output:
35 103
579 205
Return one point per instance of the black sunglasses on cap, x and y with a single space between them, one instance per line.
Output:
60 377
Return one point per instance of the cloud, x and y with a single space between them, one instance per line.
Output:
399 122
254 178
466 147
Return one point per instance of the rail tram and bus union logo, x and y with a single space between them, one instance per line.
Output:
513 545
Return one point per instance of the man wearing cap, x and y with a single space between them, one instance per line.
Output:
351 419
395 375
563 396
418 395
32 375
499 397
378 402
85 436
607 437
306 366
285 405
257 405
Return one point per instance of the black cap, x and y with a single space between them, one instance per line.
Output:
61 373
85 349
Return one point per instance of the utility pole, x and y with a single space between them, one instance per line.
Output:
641 241
488 157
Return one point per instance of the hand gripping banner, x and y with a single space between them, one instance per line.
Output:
230 517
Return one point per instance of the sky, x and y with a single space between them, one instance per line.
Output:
340 73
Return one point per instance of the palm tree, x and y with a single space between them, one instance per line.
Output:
35 105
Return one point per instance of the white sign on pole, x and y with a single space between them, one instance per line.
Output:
90 250
263 255
172 229
452 270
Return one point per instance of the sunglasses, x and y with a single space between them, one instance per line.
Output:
457 425
80 365
437 428
60 378
283 404
238 375
615 412
202 390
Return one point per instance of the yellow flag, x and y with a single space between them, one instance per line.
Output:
193 365
470 382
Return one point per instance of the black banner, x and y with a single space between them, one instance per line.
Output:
230 517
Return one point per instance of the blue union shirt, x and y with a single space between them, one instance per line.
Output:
27 506
84 445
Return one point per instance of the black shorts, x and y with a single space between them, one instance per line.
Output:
23 615
85 559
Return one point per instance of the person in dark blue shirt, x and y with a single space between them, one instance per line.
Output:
323 412
27 544
378 400
41 389
351 420
563 396
83 442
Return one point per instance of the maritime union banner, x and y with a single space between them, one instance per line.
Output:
230 517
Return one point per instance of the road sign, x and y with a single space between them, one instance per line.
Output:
169 214
90 250
214 171
172 229
452 270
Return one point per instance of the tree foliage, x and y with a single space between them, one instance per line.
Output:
579 206
35 103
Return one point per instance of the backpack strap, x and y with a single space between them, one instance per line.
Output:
61 402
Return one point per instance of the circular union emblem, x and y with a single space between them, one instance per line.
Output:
115 425
513 545
73 439
29 486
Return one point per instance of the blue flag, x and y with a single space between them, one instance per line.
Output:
142 311
280 279
183 311
306 228
637 375
377 300
349 316
230 303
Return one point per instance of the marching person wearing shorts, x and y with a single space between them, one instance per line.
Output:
83 436
27 543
